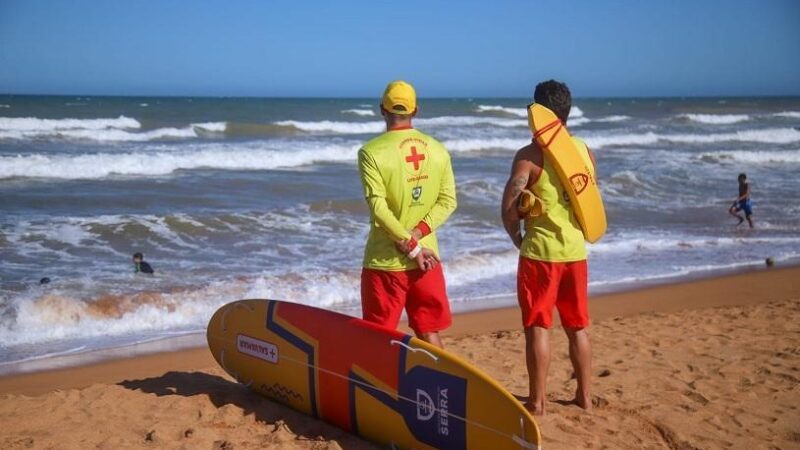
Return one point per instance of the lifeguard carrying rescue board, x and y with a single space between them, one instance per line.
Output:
381 384
574 170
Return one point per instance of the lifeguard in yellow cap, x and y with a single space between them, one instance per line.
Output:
409 186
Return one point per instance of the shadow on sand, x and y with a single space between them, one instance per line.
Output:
221 392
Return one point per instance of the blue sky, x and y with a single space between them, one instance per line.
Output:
344 49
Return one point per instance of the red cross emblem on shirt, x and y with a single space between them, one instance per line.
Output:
415 158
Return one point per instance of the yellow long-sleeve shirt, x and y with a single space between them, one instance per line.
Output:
407 178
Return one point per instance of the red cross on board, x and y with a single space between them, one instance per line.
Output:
415 158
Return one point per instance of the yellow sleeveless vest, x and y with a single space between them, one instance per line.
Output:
555 236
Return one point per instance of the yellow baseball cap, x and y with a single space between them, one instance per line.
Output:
399 98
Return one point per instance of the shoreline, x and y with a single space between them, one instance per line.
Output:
710 363
189 351
196 339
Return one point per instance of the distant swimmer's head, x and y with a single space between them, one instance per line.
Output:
400 99
138 257
44 280
742 177
555 96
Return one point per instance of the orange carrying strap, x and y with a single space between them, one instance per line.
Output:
548 127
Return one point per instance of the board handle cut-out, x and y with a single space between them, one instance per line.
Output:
415 349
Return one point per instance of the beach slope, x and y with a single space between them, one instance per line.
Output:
702 364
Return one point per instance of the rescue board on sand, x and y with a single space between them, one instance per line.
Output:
381 384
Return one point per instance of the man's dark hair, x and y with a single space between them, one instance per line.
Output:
555 96
138 255
742 176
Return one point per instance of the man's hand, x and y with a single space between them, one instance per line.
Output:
427 260
403 247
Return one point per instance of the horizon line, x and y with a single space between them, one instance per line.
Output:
436 97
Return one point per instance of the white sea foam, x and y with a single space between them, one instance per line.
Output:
5 106
472 268
574 112
466 121
753 157
254 156
215 127
789 114
520 112
335 126
471 145
627 139
716 119
378 127
35 124
359 112
57 315
103 135
612 119
578 121
121 129
43 317
767 136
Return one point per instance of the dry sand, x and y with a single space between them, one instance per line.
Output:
704 364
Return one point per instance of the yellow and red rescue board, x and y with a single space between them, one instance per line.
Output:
381 384
574 170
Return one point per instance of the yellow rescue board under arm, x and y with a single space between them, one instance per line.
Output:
574 170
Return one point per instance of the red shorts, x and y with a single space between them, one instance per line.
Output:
384 294
542 285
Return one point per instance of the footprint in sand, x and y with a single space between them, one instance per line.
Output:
697 397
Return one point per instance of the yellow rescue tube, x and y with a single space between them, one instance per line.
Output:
575 171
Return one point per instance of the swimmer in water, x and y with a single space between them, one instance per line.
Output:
140 265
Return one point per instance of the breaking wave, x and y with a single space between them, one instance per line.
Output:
789 114
121 129
217 156
359 112
752 157
767 136
519 112
35 124
716 119
378 127
575 112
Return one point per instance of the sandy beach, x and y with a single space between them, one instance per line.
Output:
711 363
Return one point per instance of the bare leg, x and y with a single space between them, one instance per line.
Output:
732 212
431 338
750 221
580 353
537 357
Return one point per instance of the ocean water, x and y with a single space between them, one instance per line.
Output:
232 197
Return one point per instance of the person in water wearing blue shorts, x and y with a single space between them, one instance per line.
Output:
742 203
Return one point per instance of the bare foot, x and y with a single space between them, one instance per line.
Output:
535 409
584 401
